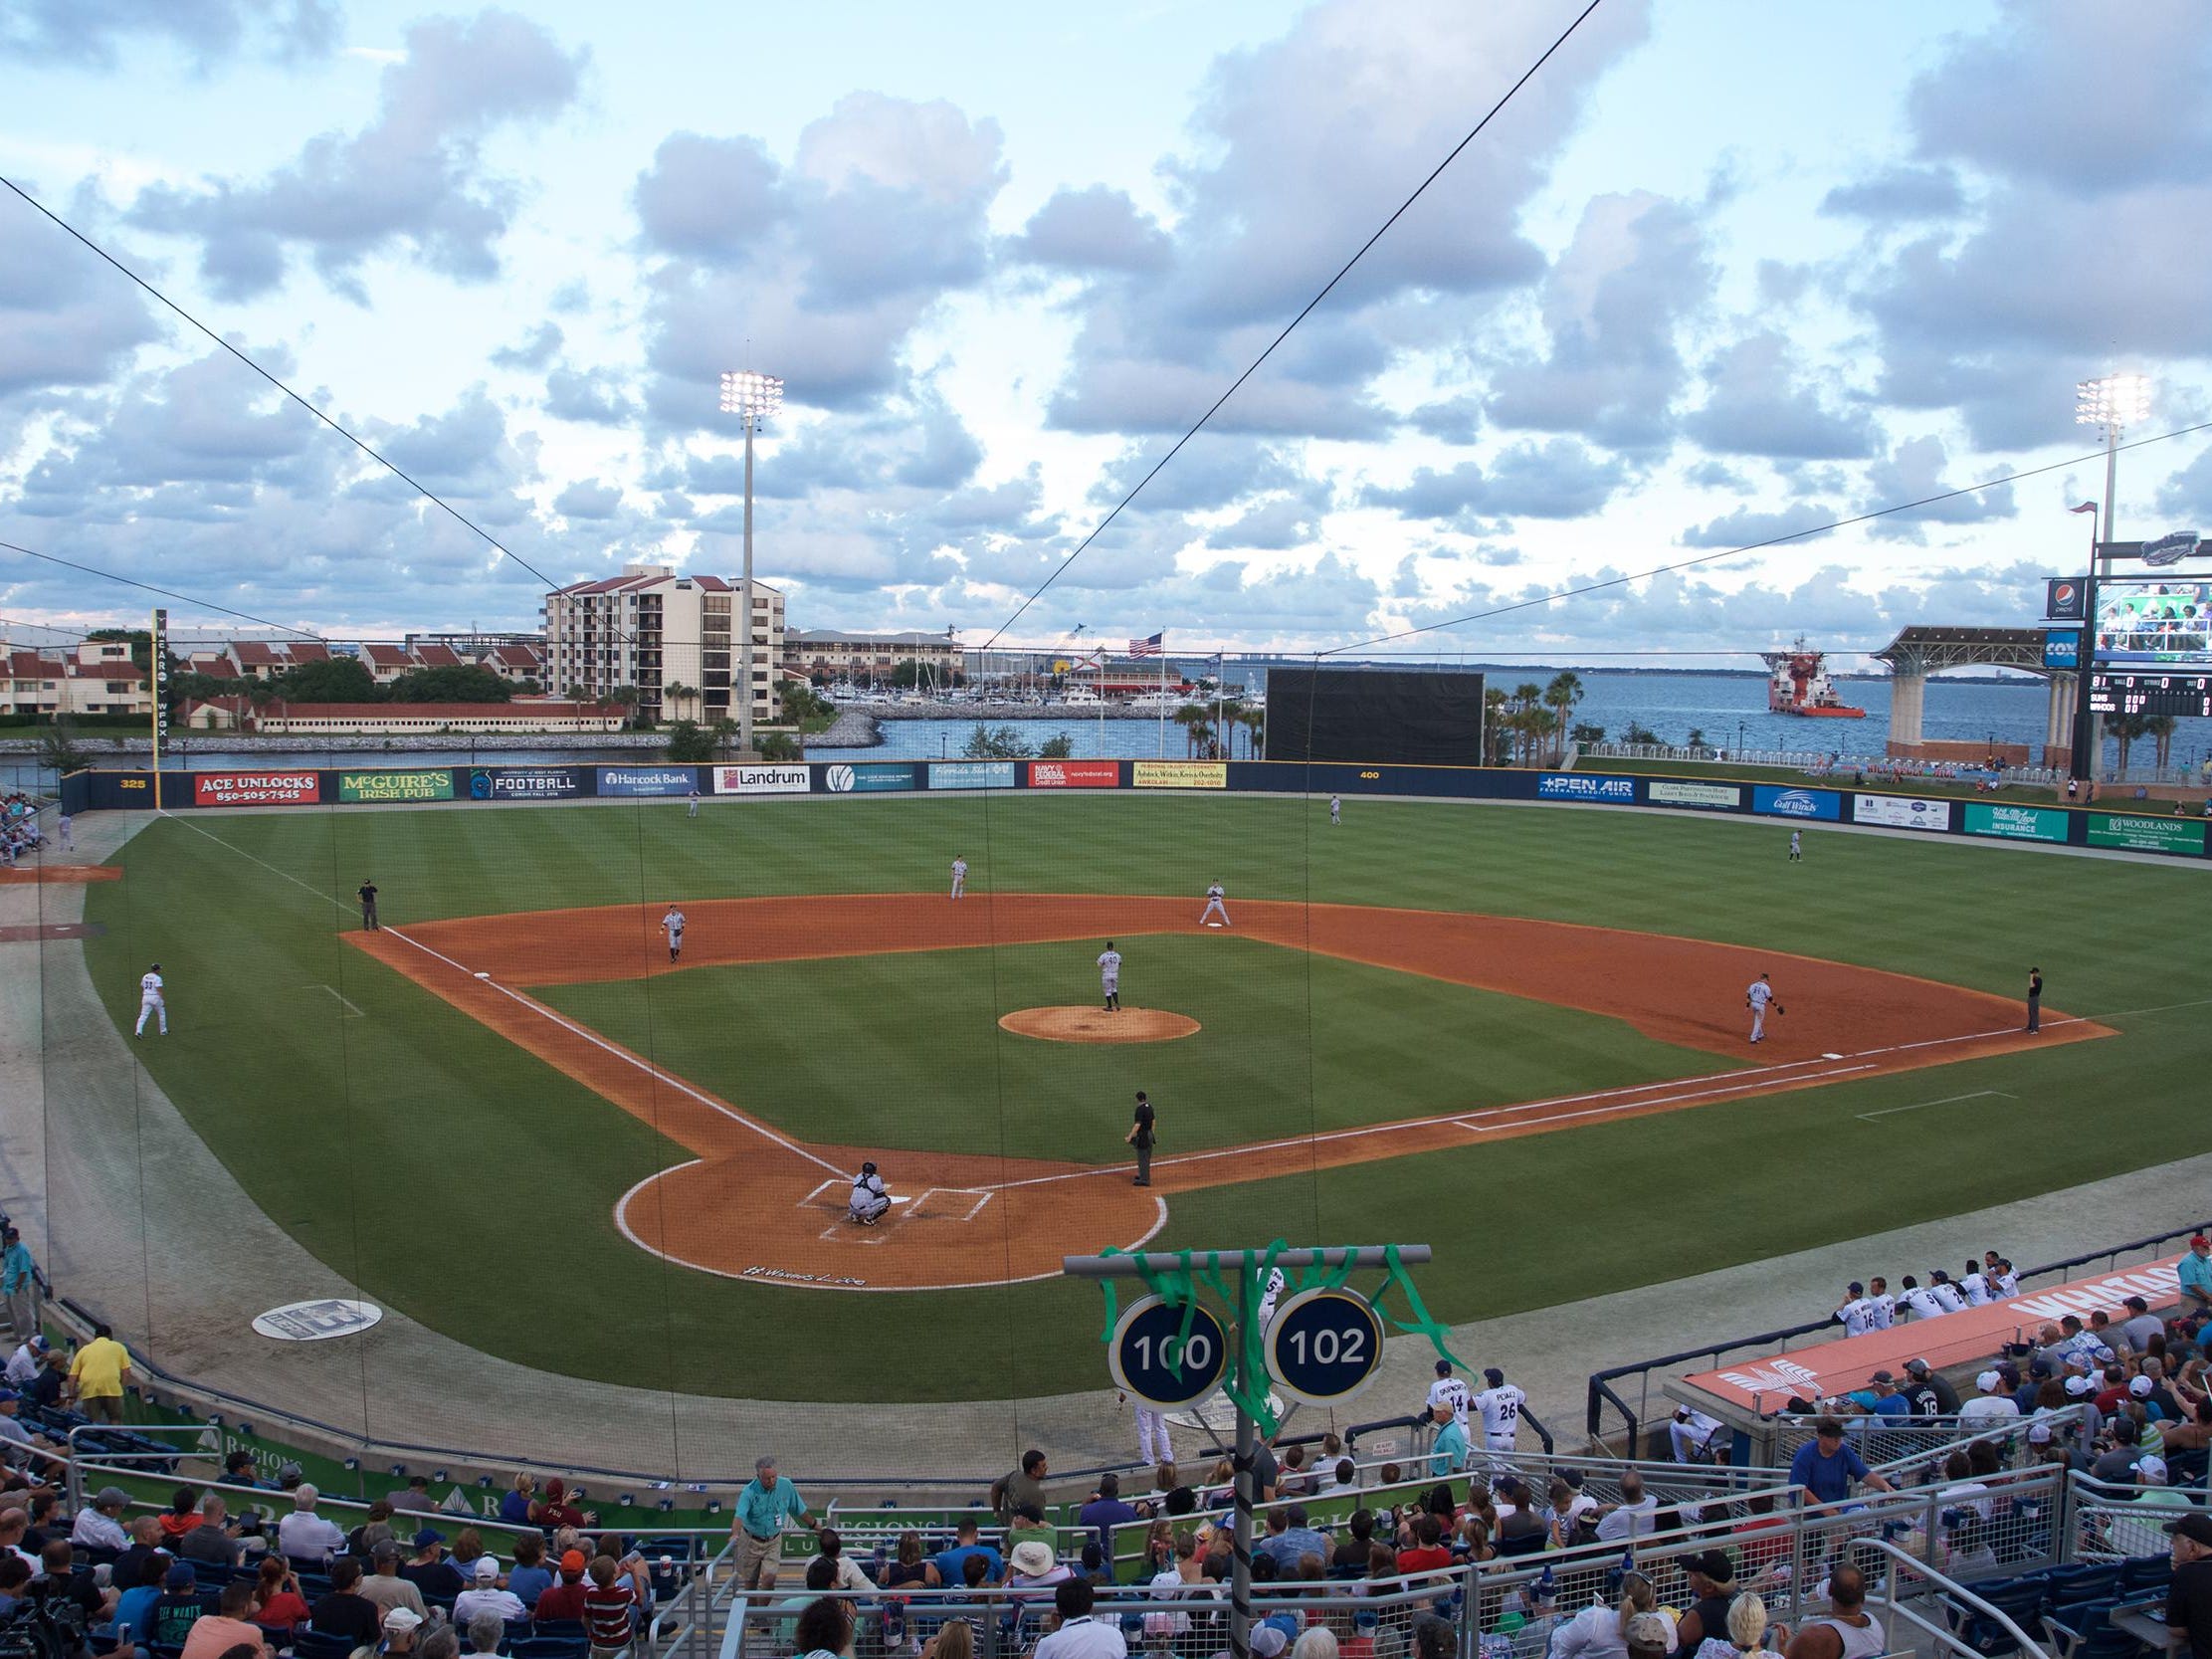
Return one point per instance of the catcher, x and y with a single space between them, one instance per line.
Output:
869 1199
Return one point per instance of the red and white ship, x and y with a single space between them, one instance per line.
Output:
1798 684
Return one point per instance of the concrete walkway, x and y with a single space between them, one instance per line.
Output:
139 1219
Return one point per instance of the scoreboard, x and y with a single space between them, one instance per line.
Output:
2149 694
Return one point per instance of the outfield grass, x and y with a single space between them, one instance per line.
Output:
358 1134
905 1050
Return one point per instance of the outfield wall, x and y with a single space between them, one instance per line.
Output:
1808 803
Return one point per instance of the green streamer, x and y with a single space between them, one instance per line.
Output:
1422 1321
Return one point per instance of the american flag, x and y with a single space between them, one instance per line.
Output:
1148 647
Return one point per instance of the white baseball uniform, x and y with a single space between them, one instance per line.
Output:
1976 1287
63 824
1449 1390
1276 1283
1857 1316
1922 1303
1758 996
1214 907
1948 1296
1109 972
1797 844
691 810
959 877
672 924
2008 1283
869 1199
1153 1445
1500 1409
1335 809
1882 1311
150 1001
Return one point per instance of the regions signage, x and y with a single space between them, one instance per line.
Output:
1900 812
1796 803
1578 786
2147 834
256 788
431 785
1074 775
1180 775
2061 648
527 784
2016 823
971 775
1719 797
646 780
761 779
868 779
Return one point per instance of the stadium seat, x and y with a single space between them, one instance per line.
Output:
2146 1572
2074 1624
558 1629
319 1645
2084 1581
2020 1600
518 1630
551 1647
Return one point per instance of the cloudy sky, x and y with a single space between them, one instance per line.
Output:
1719 271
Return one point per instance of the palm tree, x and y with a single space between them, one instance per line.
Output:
1495 728
2160 727
1255 724
1560 697
1527 714
1189 716
1232 714
673 696
2126 728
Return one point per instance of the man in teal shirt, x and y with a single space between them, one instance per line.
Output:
758 1532
1447 1452
19 1284
2195 1272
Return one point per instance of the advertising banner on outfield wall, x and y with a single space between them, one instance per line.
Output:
1074 775
870 779
1712 797
256 788
2016 823
1585 786
527 784
1180 775
427 785
2147 834
971 775
1900 812
760 779
646 780
1796 803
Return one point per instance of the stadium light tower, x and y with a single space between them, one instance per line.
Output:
2113 402
753 397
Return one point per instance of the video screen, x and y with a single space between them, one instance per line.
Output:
2168 622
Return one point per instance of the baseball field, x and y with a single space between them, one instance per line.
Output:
1515 1034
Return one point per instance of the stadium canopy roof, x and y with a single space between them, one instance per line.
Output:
1928 650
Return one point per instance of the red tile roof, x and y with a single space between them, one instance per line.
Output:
308 651
437 656
385 656
530 707
253 653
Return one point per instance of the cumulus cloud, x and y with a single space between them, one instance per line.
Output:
61 324
1093 229
94 33
1560 479
413 178
1761 402
1914 469
1748 527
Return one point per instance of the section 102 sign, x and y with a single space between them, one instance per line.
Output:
1155 1361
1324 1345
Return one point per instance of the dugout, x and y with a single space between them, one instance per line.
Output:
1375 716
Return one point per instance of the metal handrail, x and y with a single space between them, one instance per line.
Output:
2029 1646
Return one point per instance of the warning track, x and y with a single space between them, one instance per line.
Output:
756 1203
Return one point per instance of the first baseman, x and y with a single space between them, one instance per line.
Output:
1214 906
672 924
1757 998
1109 977
959 876
150 1001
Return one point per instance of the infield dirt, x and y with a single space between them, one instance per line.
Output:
760 1205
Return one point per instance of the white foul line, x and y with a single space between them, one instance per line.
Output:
1947 1099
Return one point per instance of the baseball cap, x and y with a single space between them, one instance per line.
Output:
1268 1641
400 1620
2196 1527
486 1569
2140 1388
1715 1564
572 1562
2079 1387
109 1496
2199 1242
2151 1469
1493 1377
2039 1434
1856 1287
2039 1367
1882 1377
1444 1368
181 1576
1989 1383
427 1536
1917 1366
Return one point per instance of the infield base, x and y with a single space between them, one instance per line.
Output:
1095 1025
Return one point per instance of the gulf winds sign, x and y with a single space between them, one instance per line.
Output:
1778 802
762 780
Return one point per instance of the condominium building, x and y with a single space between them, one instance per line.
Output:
837 654
94 678
649 629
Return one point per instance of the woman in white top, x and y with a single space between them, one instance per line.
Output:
1601 1632
1748 1632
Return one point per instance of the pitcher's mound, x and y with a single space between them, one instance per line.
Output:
1095 1025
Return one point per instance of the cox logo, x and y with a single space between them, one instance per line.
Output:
839 779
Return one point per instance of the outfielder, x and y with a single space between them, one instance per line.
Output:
959 876
150 1001
672 926
1335 809
1214 907
1759 997
1109 977
869 1199
1796 846
690 809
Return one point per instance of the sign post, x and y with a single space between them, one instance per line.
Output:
157 675
1327 1318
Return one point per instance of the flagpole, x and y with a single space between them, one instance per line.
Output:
1164 694
1220 693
